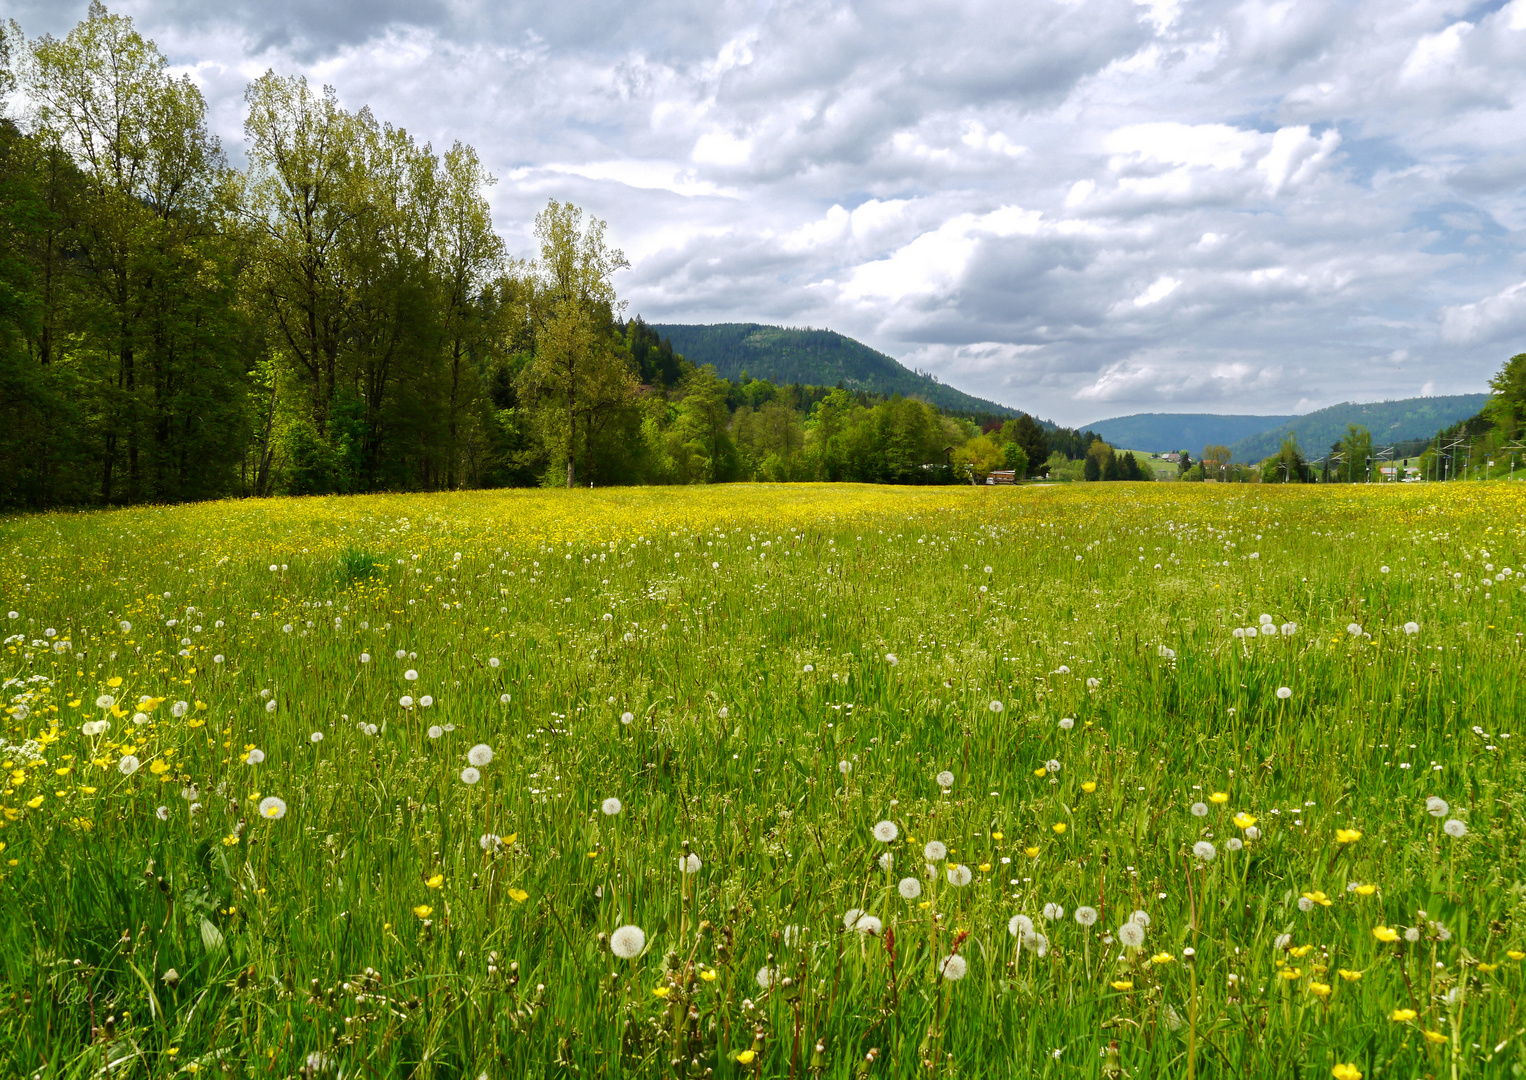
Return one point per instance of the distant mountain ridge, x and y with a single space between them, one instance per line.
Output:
1252 438
1182 431
785 355
1389 422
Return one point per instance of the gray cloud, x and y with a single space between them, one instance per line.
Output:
1079 207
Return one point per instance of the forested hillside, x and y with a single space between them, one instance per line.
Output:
1162 432
818 357
1388 421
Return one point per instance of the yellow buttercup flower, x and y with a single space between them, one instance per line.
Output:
1403 1016
1219 797
423 911
996 836
1123 984
436 881
661 991
984 868
1031 852
1319 989
1059 827
1486 968
1347 836
1346 1072
1317 897
519 896
1291 973
746 1056
709 975
1515 954
1301 951
1434 1037
1349 976
1384 934
1365 890
1243 820
1089 787
1040 771
1162 958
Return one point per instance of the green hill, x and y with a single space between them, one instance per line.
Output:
815 357
1163 432
1389 422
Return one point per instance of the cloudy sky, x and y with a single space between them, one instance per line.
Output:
1082 208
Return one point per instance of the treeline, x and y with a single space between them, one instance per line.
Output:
1489 444
341 316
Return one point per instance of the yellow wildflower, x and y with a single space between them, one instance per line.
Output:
1349 976
1031 852
1162 958
1403 1016
1384 934
435 882
1319 989
423 911
1219 797
1089 787
661 991
1059 827
1244 820
1434 1037
1346 1072
1365 890
1123 984
746 1056
709 974
519 896
1347 836
1515 954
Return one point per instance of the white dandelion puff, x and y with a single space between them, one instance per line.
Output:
689 864
406 701
480 755
934 850
1354 629
105 701
128 765
997 706
254 757
886 862
909 888
1284 692
1455 828
1086 916
1020 926
945 779
1436 807
316 737
1131 934
958 876
272 808
627 942
470 775
1067 723
886 831
611 806
1411 628
953 967
1204 850
1053 912
1199 809
435 731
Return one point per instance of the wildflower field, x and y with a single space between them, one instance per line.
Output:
805 781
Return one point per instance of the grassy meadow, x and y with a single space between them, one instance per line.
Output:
754 781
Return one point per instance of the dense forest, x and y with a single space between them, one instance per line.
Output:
340 316
812 356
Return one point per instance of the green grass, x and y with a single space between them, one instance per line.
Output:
368 932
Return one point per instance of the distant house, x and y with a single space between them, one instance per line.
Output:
1001 476
1173 457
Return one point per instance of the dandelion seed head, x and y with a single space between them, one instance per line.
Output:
627 942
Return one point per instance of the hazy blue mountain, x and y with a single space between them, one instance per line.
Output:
1164 432
815 357
1389 422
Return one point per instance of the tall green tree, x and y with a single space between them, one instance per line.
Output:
1356 446
579 377
156 264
